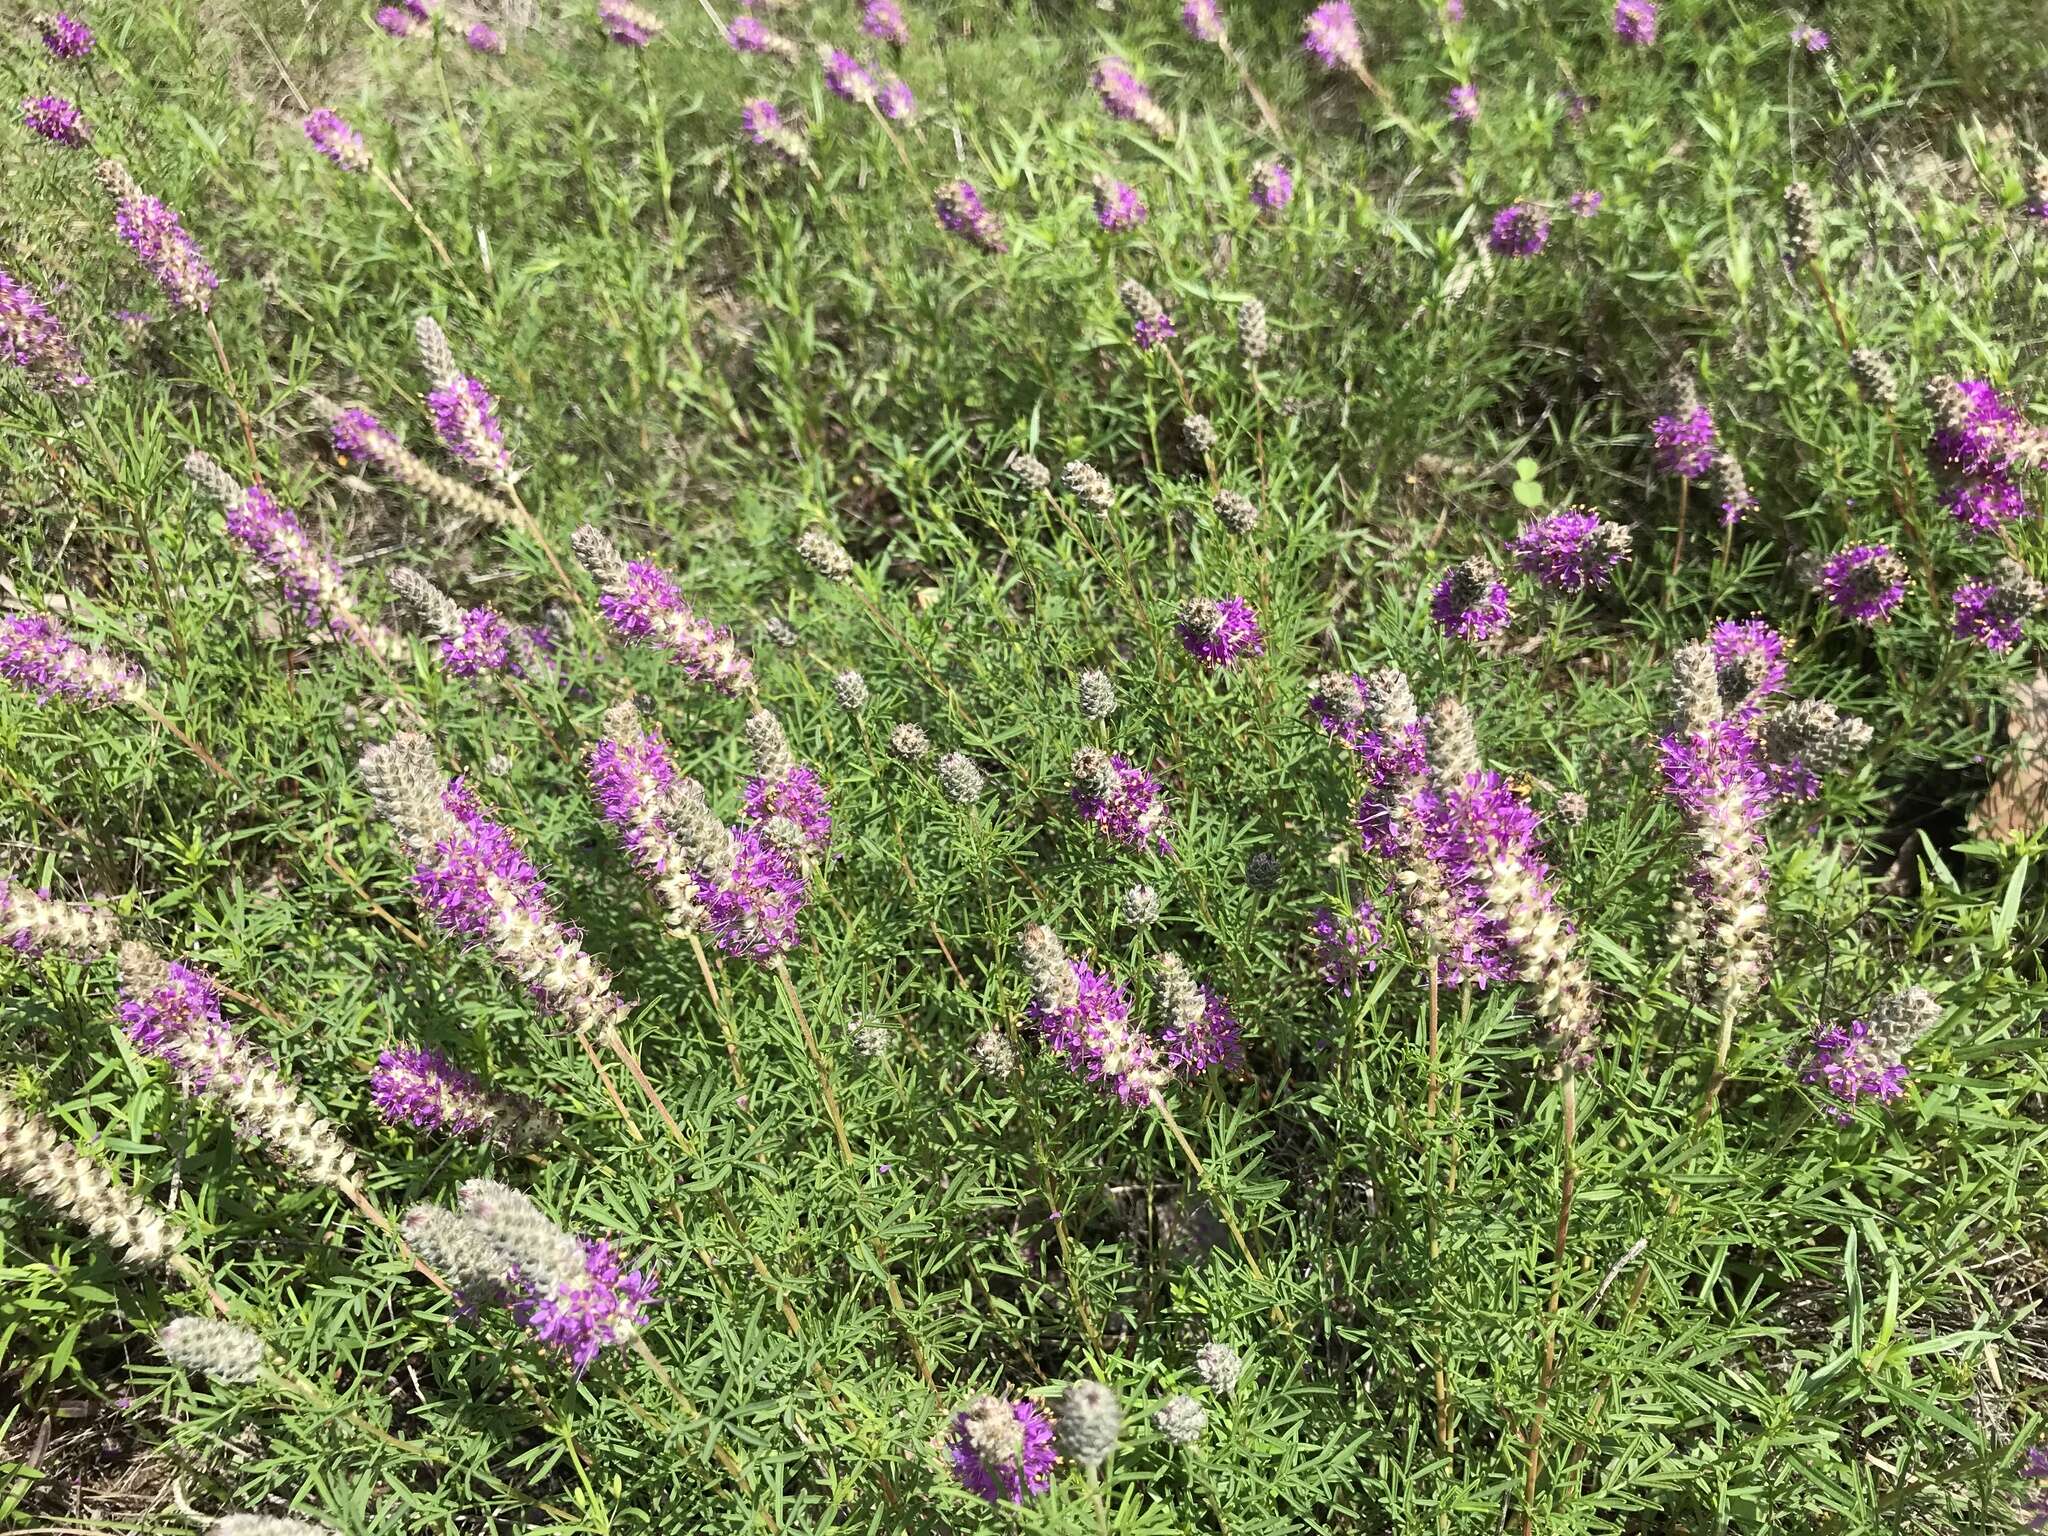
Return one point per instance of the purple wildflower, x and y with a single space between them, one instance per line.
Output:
66 36
848 77
33 339
628 25
1864 583
797 796
1575 550
56 119
1204 20
1586 203
484 39
1330 35
1684 441
36 655
1272 188
1117 205
1463 101
1091 1030
1454 10
1345 951
419 1087
1002 1451
1125 97
335 139
753 909
1973 451
895 101
485 644
1218 633
1519 230
313 583
2035 1470
396 20
159 241
1635 22
466 422
1993 612
642 603
1123 801
1810 39
178 1022
601 1306
1750 658
883 21
1470 602
1866 1058
1470 942
1212 1038
960 210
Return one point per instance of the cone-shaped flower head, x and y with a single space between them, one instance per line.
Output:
1125 97
1219 1366
1085 1019
209 1347
57 120
643 604
1150 323
37 656
1117 205
629 25
1866 1057
1863 584
1002 1451
33 923
465 415
1576 550
1094 695
334 138
960 210
1635 22
1994 612
1181 1420
1519 230
160 242
1090 486
1195 1023
1121 800
1470 602
1219 632
1089 1424
34 340
782 788
1683 437
1330 36
36 1158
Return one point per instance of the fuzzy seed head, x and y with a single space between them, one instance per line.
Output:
1236 511
1089 1422
1044 960
1090 486
959 780
910 743
994 1055
1199 433
34 1157
824 555
850 689
1874 376
209 1347
1094 695
1802 224
1219 1367
1030 473
1252 339
437 610
1181 1420
1140 906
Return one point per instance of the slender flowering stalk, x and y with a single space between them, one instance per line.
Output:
1864 584
37 656
465 415
635 783
1219 632
643 605
1117 205
629 25
1575 550
313 583
33 922
961 211
356 434
1150 323
1732 485
34 340
1125 98
419 1088
335 139
66 37
1196 1025
745 34
1518 230
153 232
57 120
172 1013
1001 1451
36 1157
1866 1057
472 880
475 642
572 1294
1085 1019
1470 602
1121 800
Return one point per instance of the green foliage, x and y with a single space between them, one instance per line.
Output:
1762 1321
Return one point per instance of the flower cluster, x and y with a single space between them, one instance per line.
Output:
395 20
761 121
1975 453
1001 1451
1585 203
34 1157
1204 21
746 34
1218 632
1150 323
1635 22
38 656
1272 188
642 603
1519 230
1463 101
484 38
1992 612
66 37
1122 800
1330 36
1117 205
784 798
848 78
1575 550
1196 1025
1345 949
883 21
334 138
960 209
33 922
1866 1057
465 416
1085 1019
34 340
1683 437
160 242
1864 584
1125 98
56 119
1810 39
628 25
1470 602
418 1087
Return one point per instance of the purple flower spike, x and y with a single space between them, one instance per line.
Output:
1571 551
1585 204
1810 39
1117 205
466 422
1519 230
484 39
883 21
960 210
895 102
1751 653
1993 613
1002 1451
159 241
179 1023
1204 21
335 139
313 582
396 20
1219 633
642 603
1863 584
1125 97
753 911
1331 36
1635 22
1463 101
848 78
1865 1058
1471 601
628 25
1344 952
1123 801
1975 452
1090 1029
56 119
417 1087
66 36
1211 1040
1272 188
604 1305
1684 442
798 796
32 339
37 656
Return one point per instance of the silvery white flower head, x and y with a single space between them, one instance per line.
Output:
1181 1420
